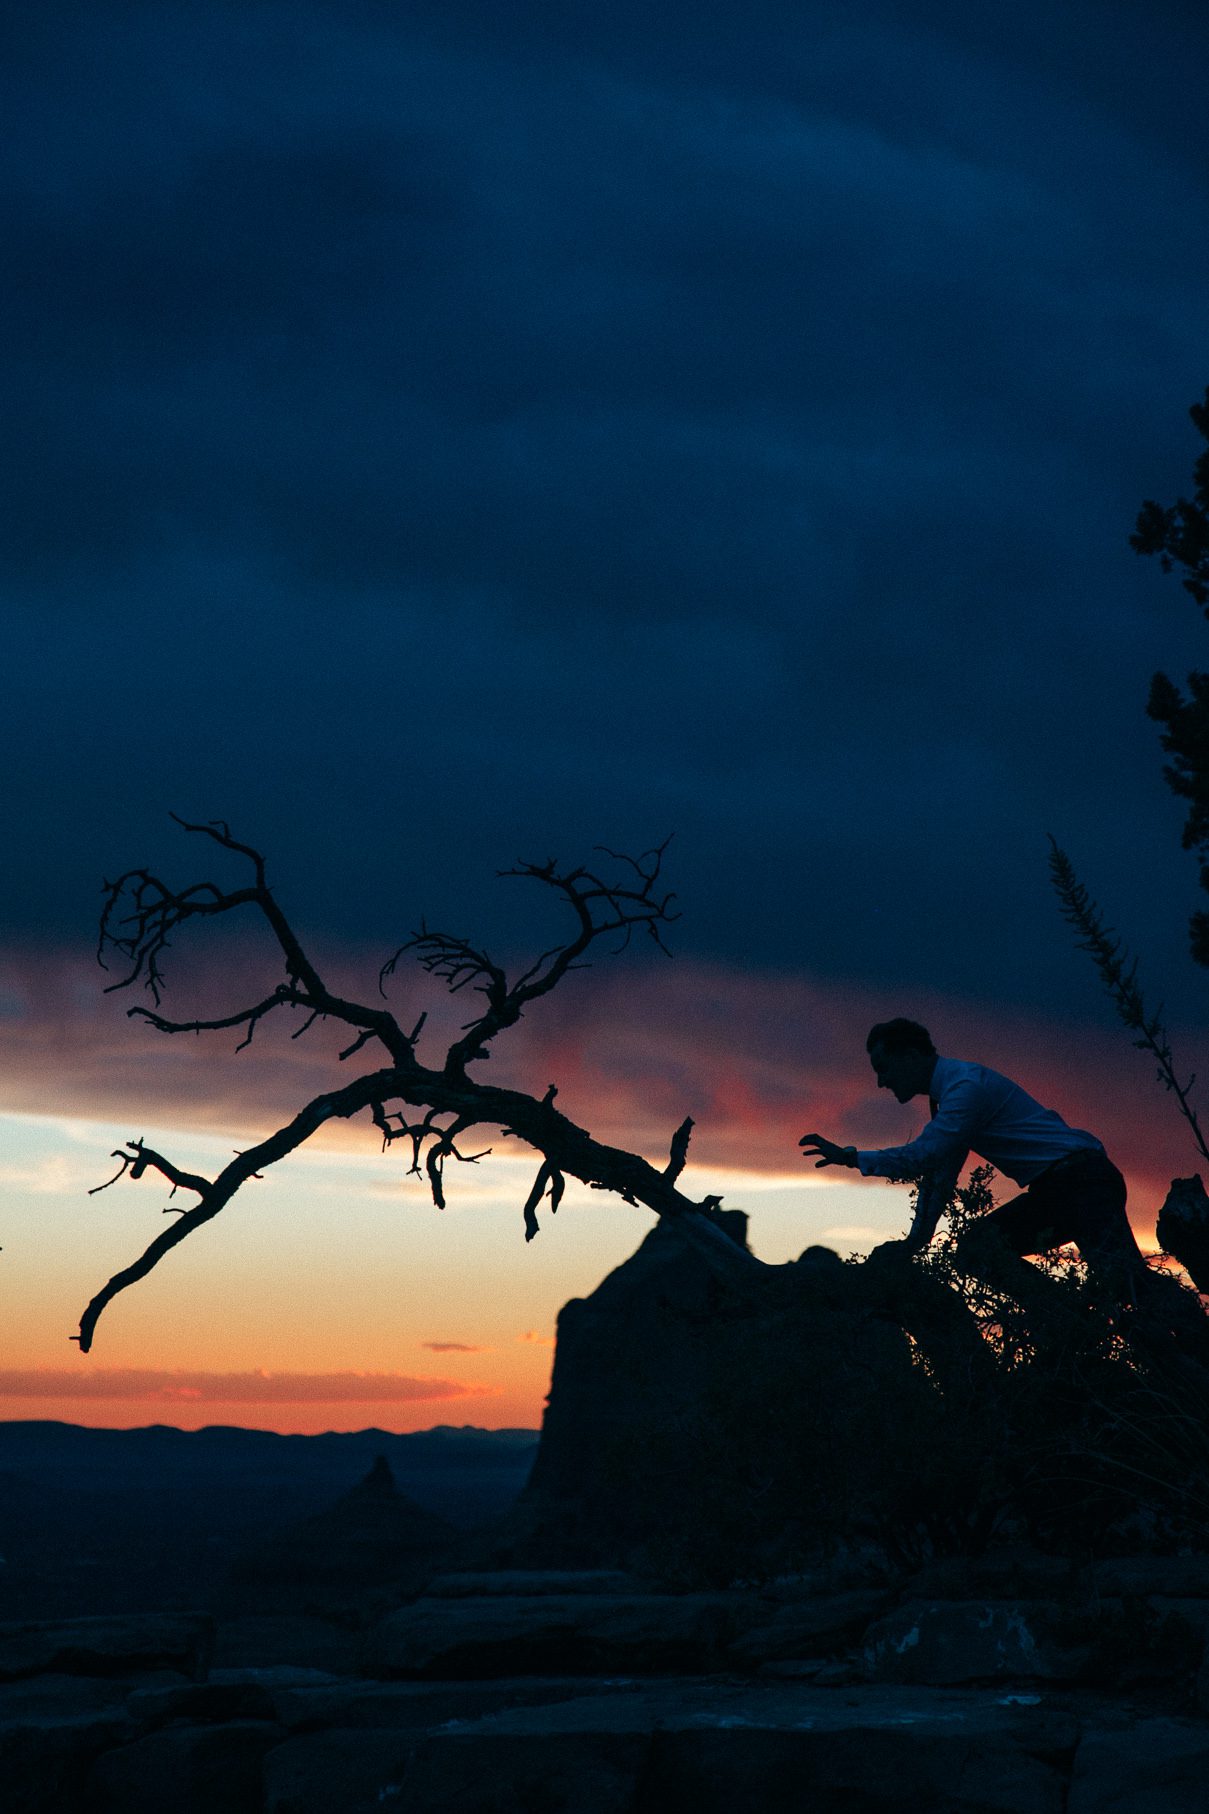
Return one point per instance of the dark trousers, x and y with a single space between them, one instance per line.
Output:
1079 1199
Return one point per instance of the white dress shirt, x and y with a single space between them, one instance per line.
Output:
977 1110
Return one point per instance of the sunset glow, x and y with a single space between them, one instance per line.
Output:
332 1294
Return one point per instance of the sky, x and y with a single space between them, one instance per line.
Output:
447 434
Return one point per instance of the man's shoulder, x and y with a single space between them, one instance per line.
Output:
949 1071
991 1083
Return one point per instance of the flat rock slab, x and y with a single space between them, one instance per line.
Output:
58 1697
265 1640
45 1758
713 1748
106 1645
550 1633
511 1582
202 1704
418 1706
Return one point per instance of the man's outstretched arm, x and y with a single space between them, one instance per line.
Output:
935 1190
829 1153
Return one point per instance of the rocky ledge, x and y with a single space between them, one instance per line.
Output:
1013 1685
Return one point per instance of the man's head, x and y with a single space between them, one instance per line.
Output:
903 1056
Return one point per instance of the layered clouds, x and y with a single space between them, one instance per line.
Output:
433 438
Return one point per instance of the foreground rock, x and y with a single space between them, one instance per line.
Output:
721 1748
477 1729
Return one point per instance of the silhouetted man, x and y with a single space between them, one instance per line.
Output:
1072 1190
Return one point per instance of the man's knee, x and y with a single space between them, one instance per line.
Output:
980 1246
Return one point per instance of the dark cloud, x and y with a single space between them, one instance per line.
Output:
443 432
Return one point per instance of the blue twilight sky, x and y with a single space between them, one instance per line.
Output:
443 432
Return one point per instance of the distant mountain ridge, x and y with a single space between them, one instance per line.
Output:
99 1518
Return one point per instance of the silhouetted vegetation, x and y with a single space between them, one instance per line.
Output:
1179 535
1119 974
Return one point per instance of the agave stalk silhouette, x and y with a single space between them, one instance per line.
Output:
1119 974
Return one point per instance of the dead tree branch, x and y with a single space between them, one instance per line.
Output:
215 1193
141 914
679 1152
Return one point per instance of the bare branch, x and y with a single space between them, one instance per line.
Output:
534 1198
248 1017
679 1153
362 1038
216 1193
601 906
457 963
141 913
136 1160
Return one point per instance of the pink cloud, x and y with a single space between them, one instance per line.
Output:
153 1384
757 1059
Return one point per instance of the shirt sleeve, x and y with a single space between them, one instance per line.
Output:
941 1147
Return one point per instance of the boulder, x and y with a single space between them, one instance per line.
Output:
1183 1228
943 1642
545 1633
187 1769
45 1757
106 1645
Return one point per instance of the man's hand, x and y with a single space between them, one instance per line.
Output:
829 1153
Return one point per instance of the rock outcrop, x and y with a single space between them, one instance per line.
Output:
716 1422
1183 1228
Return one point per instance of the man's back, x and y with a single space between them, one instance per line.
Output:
980 1110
